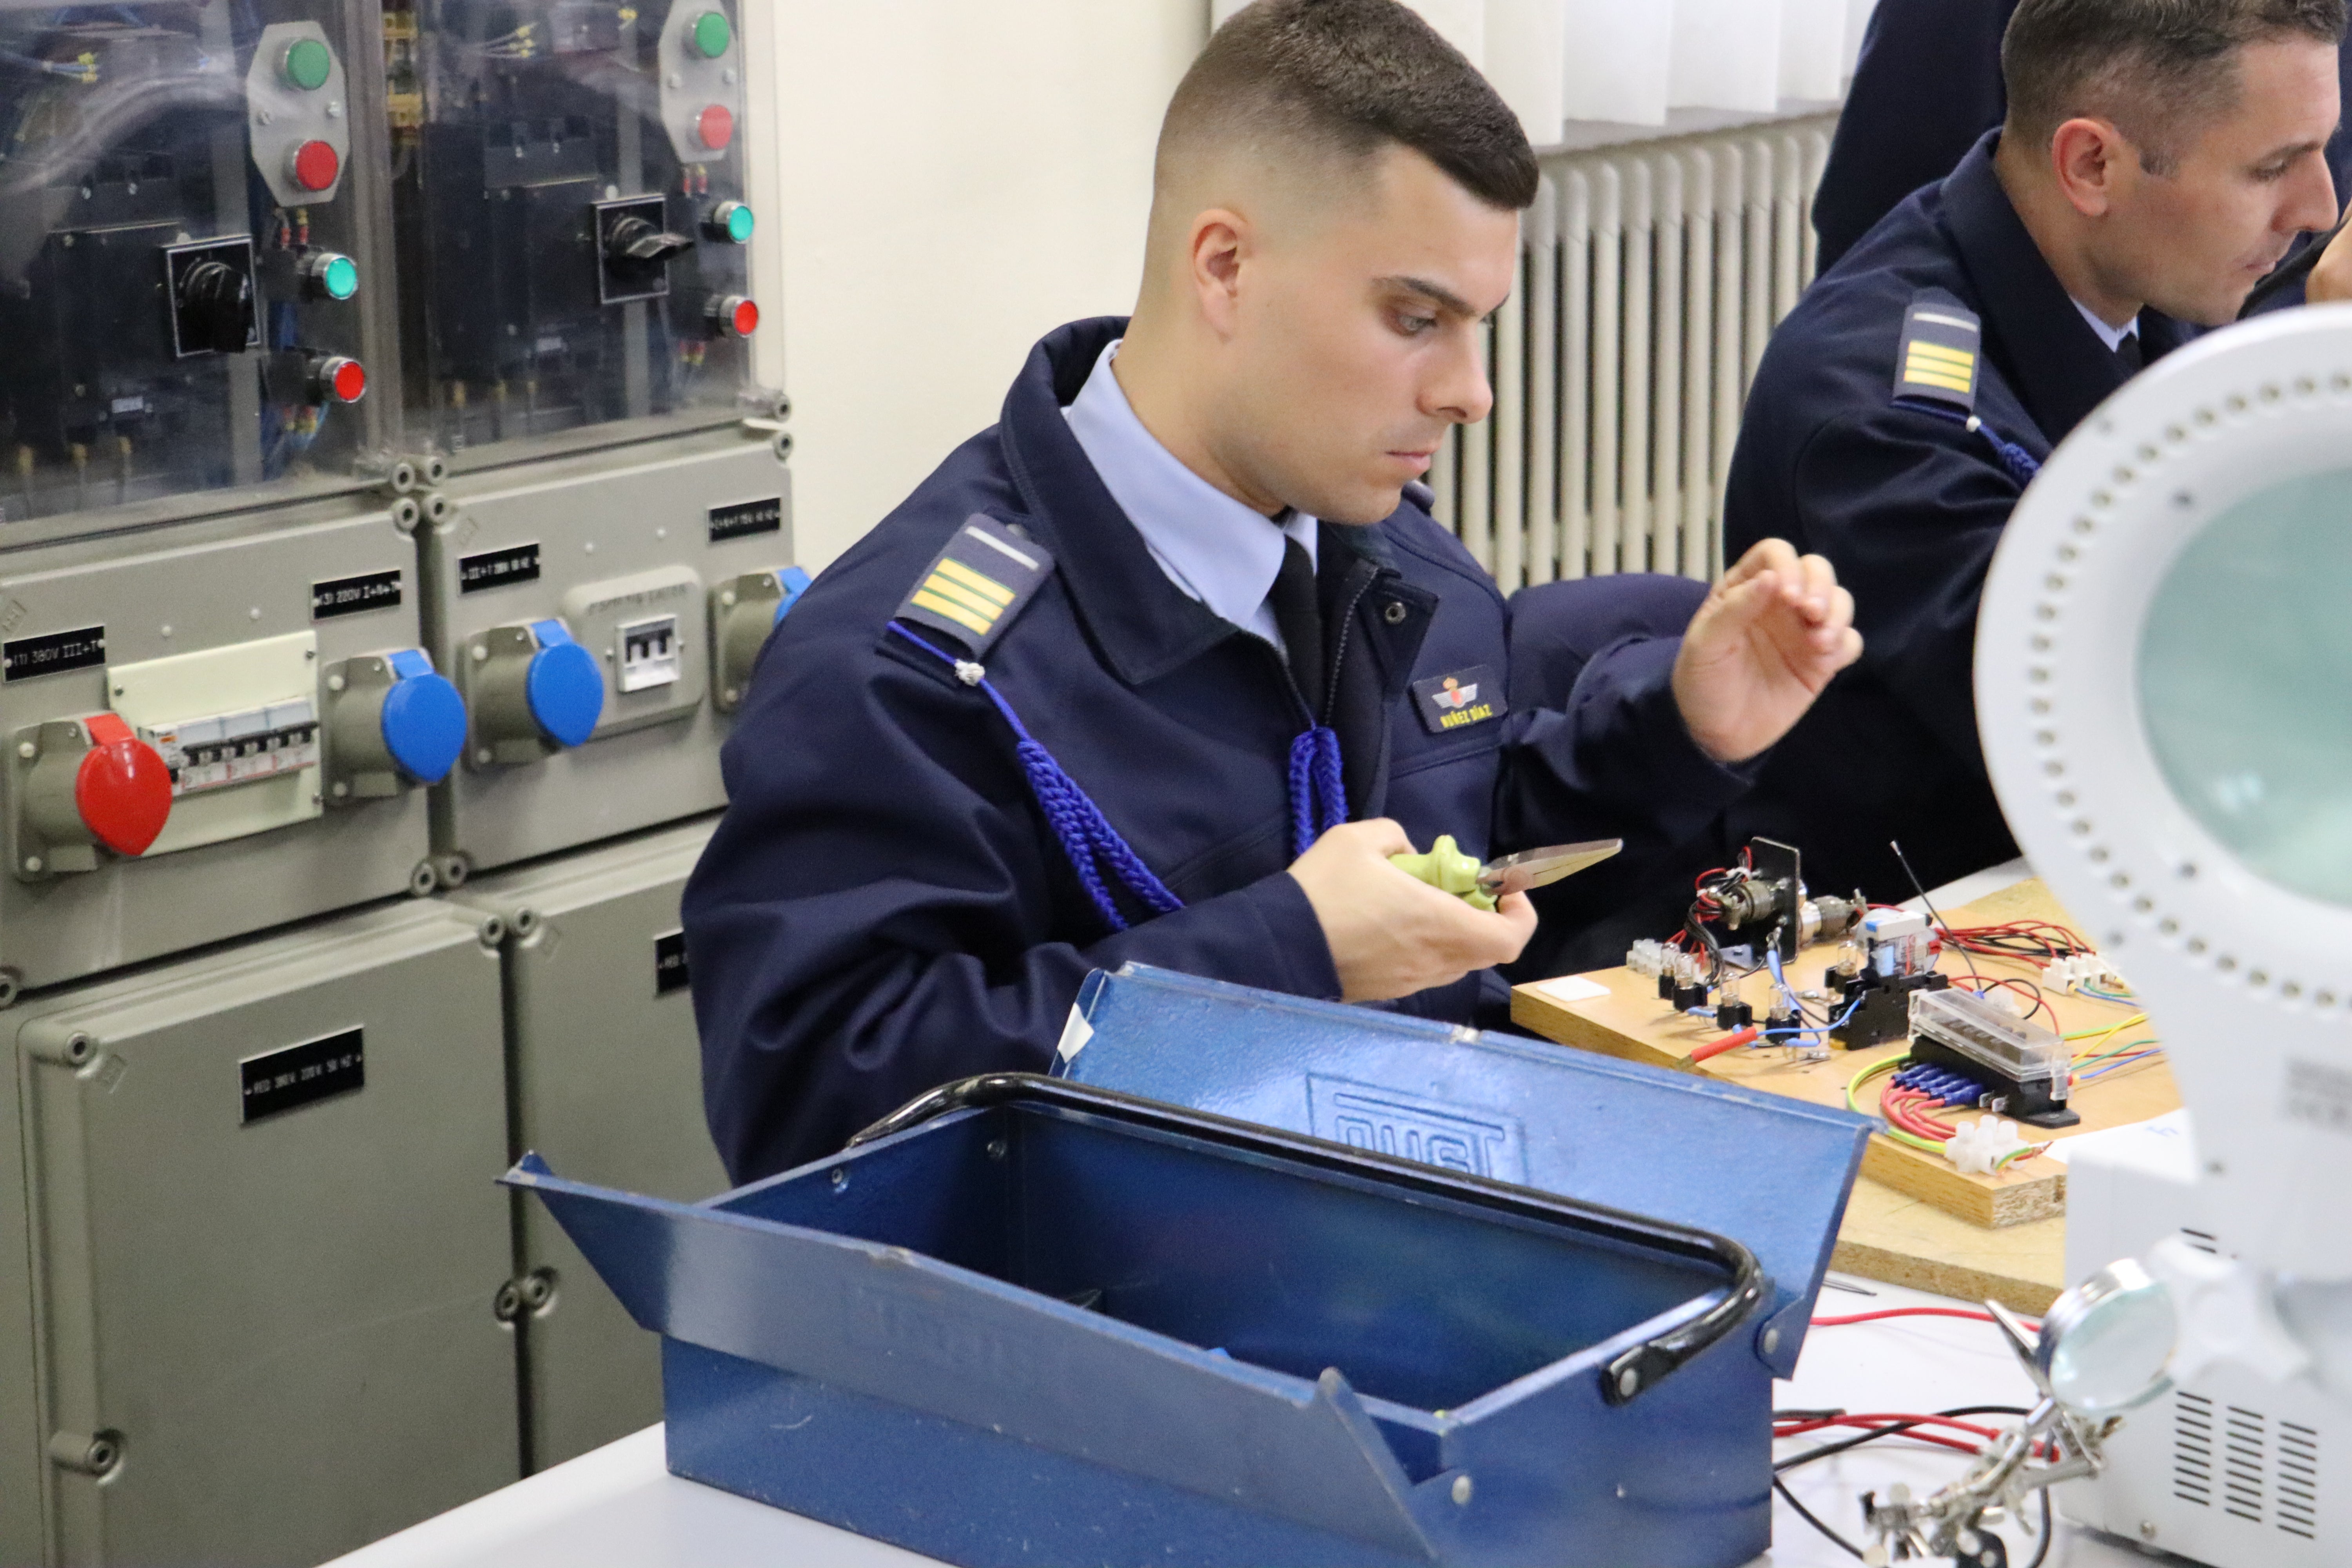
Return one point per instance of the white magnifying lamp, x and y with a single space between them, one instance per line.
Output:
2164 689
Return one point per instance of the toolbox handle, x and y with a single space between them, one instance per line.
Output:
1626 1375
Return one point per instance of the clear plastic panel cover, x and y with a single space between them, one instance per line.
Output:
2243 664
569 179
184 261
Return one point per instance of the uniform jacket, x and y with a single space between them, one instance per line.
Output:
1908 507
884 908
1927 86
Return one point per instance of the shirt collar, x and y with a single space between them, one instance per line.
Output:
2112 336
1215 549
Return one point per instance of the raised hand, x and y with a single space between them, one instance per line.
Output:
1761 647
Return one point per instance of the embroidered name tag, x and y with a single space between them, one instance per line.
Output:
1457 702
978 583
1942 343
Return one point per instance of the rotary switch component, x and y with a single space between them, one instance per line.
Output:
393 723
533 691
91 784
743 611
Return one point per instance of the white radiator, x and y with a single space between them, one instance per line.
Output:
1650 275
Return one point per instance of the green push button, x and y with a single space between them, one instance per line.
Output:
340 277
712 35
738 225
308 64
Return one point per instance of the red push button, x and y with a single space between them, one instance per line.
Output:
122 789
316 166
747 318
716 126
730 316
347 379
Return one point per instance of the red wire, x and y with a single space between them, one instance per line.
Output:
1886 1312
1732 1042
1917 1437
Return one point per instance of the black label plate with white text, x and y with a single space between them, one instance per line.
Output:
303 1075
54 653
355 596
670 963
498 568
745 518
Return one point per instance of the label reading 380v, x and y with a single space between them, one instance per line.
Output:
745 518
355 595
302 1075
498 568
22 659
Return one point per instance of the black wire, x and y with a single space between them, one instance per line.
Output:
1806 1514
2042 1552
1897 845
1826 1449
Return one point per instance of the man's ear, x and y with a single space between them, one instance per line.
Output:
2089 157
1221 245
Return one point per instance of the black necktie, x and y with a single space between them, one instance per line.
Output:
1298 613
2129 355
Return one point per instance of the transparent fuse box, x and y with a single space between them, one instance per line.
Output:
192 210
1990 1035
568 179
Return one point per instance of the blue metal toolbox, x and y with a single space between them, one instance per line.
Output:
1038 1320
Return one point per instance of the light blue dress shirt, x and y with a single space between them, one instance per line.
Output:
1218 551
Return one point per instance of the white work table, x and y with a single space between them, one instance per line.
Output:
619 1508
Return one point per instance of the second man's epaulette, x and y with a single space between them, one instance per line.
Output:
975 587
1943 347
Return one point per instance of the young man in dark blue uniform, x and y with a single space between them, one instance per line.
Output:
2157 159
1161 668
1926 87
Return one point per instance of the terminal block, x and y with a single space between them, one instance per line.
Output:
2026 1071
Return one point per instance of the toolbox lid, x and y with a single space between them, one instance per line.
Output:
1768 1171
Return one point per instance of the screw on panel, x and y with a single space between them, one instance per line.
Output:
33 864
784 406
507 1305
525 921
28 750
782 445
996 1149
840 1178
538 1289
2148 1530
436 469
404 513
493 931
403 477
436 506
79 1049
98 1454
1462 1489
12 985
1772 1341
424 880
453 869
1629 1383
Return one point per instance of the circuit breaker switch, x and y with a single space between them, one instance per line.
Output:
91 782
729 223
731 316
649 654
315 165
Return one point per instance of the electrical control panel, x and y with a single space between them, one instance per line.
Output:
218 727
573 222
599 612
192 212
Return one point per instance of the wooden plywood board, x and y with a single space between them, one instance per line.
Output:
1891 1235
1629 1021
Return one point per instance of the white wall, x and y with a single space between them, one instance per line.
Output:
937 183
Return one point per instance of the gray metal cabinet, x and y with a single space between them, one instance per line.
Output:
265 1248
607 1078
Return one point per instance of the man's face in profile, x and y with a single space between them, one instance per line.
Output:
1359 341
2194 242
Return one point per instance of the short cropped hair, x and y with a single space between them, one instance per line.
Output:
1351 78
2161 71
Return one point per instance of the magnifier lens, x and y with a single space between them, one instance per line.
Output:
2106 1342
2244 658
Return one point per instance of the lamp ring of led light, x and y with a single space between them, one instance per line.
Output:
2085 555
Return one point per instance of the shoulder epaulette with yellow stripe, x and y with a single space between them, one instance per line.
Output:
978 583
1943 346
